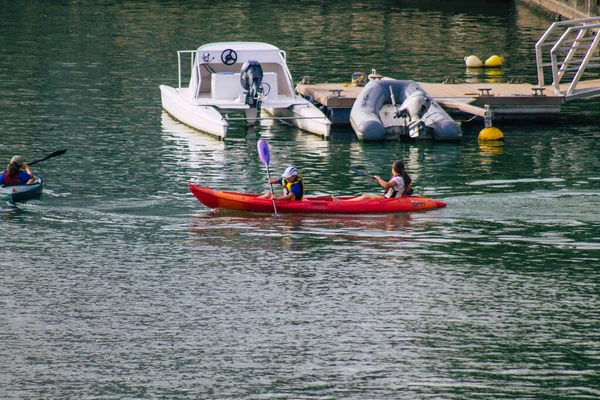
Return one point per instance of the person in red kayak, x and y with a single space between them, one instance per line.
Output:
397 186
293 186
13 174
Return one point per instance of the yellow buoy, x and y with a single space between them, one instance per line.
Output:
473 62
494 61
490 133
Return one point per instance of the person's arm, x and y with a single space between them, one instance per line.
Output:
386 185
289 196
30 172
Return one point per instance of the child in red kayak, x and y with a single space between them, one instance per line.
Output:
13 174
397 186
293 186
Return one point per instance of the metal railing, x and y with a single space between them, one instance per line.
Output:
575 51
192 59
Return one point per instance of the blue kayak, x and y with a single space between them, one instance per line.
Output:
20 193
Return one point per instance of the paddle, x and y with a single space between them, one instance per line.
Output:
265 157
361 173
55 154
358 172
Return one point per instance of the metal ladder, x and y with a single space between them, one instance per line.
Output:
575 51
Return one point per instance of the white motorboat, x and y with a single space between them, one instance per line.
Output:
242 78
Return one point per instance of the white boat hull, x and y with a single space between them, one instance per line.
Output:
202 117
305 116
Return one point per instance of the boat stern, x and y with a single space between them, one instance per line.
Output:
202 117
304 116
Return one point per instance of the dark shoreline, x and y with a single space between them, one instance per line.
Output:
562 10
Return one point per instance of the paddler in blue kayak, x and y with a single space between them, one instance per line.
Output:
397 186
293 186
13 174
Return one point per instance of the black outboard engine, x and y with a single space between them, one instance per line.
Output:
251 77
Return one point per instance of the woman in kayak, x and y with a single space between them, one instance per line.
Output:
397 186
293 186
13 174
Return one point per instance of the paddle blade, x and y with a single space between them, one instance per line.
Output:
361 173
56 153
356 171
263 151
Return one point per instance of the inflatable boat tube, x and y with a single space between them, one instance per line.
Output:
367 123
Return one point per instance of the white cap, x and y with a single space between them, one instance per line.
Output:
289 172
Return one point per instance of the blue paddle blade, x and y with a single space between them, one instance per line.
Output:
263 151
357 172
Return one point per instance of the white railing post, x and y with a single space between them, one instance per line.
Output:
564 44
571 53
192 59
584 64
179 67
538 53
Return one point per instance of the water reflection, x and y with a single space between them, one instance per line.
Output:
349 227
186 143
487 75
490 148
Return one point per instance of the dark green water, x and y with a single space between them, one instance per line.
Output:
119 284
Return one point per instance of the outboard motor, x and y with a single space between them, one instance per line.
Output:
251 77
414 107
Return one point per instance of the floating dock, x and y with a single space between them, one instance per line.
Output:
506 100
573 50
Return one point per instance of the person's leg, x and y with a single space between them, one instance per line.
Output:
367 196
265 196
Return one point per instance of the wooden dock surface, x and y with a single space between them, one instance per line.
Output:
334 95
505 100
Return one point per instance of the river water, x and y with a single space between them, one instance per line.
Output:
119 284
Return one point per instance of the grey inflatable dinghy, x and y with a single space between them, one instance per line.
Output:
390 109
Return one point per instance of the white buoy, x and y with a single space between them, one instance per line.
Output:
473 62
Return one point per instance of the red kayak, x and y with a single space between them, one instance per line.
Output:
214 199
